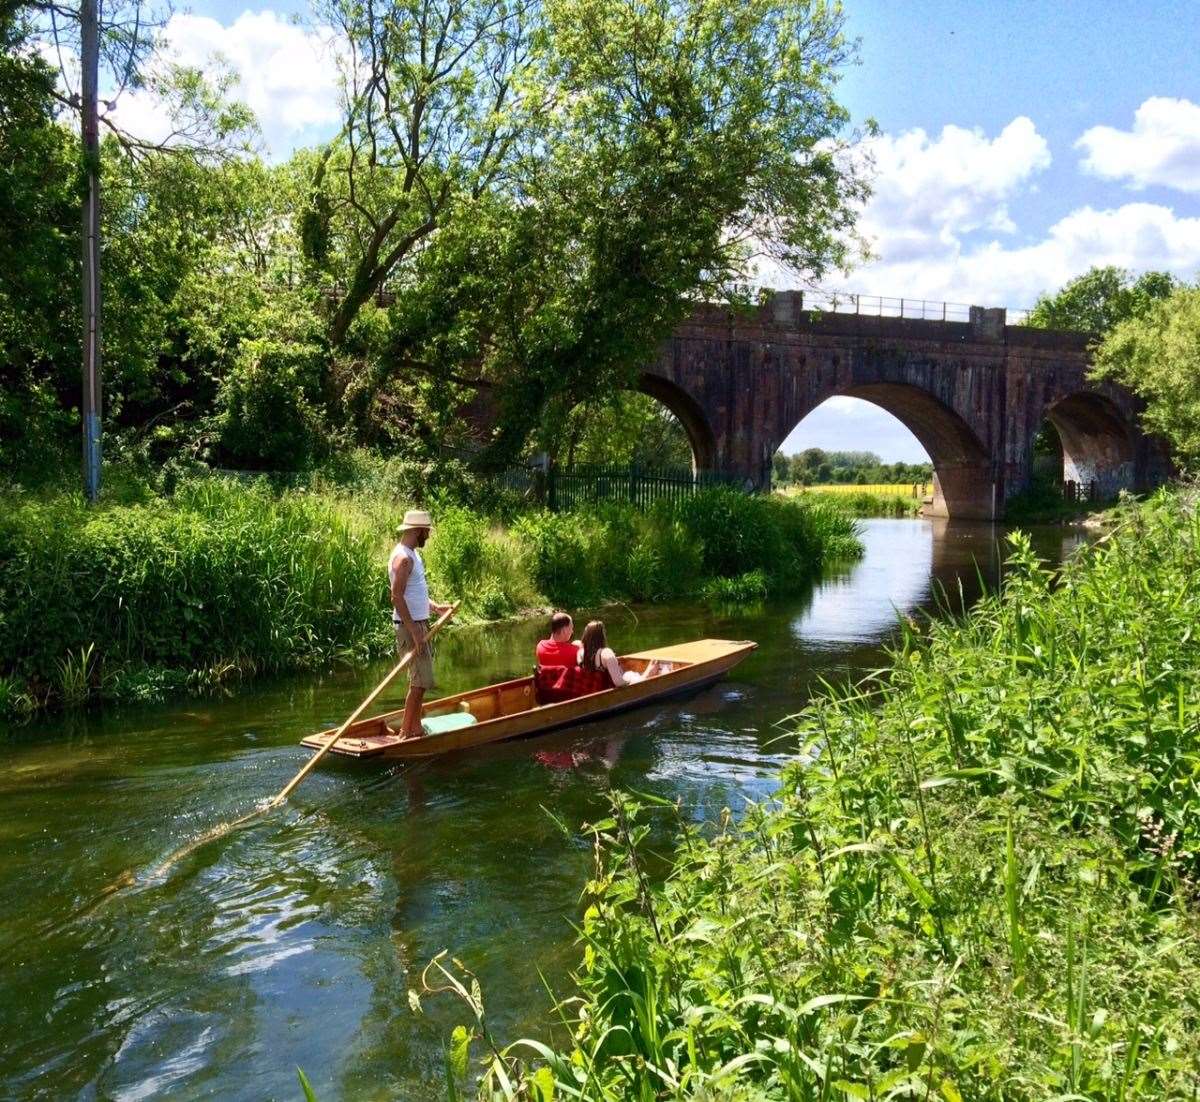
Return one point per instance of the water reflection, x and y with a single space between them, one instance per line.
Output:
294 940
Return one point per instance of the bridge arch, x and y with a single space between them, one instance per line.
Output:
689 413
962 472
1097 441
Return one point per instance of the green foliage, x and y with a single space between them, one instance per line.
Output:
268 412
1157 355
784 538
676 548
470 559
306 1086
581 173
151 594
39 241
664 560
676 133
865 503
218 574
623 428
745 589
978 880
1101 298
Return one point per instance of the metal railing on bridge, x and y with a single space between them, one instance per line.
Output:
883 306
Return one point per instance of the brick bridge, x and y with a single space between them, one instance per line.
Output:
974 393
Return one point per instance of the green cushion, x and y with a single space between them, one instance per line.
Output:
451 721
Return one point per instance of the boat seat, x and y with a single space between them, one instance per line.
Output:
451 721
555 684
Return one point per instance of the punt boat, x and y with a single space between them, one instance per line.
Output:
510 709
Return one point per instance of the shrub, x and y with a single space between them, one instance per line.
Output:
269 409
664 561
469 560
555 550
788 539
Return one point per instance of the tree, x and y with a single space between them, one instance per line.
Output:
585 170
1157 355
1100 298
780 469
39 241
438 108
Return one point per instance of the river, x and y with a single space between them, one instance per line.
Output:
293 941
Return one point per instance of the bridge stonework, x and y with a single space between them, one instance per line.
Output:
973 393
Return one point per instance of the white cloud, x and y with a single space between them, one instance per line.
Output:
1162 148
285 74
1137 236
847 407
941 229
931 191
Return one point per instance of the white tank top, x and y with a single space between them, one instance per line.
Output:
416 591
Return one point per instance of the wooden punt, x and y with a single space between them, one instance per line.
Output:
508 710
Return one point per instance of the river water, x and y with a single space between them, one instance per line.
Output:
293 941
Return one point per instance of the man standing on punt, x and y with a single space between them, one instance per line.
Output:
411 607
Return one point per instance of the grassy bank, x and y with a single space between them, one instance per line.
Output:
222 579
979 879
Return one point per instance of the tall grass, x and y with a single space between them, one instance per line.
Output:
679 549
221 578
122 598
978 881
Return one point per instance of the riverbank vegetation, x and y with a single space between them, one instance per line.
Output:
978 880
220 578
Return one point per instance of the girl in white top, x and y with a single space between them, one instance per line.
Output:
598 655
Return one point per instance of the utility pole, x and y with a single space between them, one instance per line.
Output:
90 127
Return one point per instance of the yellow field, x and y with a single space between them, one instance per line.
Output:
882 489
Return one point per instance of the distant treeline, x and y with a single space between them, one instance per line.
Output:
817 467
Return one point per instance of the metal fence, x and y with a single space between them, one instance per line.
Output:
564 488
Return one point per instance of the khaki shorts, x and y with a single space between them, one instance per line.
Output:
420 669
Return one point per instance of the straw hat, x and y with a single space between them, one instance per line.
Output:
415 518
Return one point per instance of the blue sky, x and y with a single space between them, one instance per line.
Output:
1021 142
1068 67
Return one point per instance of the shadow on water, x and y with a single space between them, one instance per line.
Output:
293 941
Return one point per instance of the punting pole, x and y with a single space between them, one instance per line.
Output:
290 787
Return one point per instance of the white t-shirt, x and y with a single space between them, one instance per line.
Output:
416 590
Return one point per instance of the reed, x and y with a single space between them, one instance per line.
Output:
217 578
978 879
